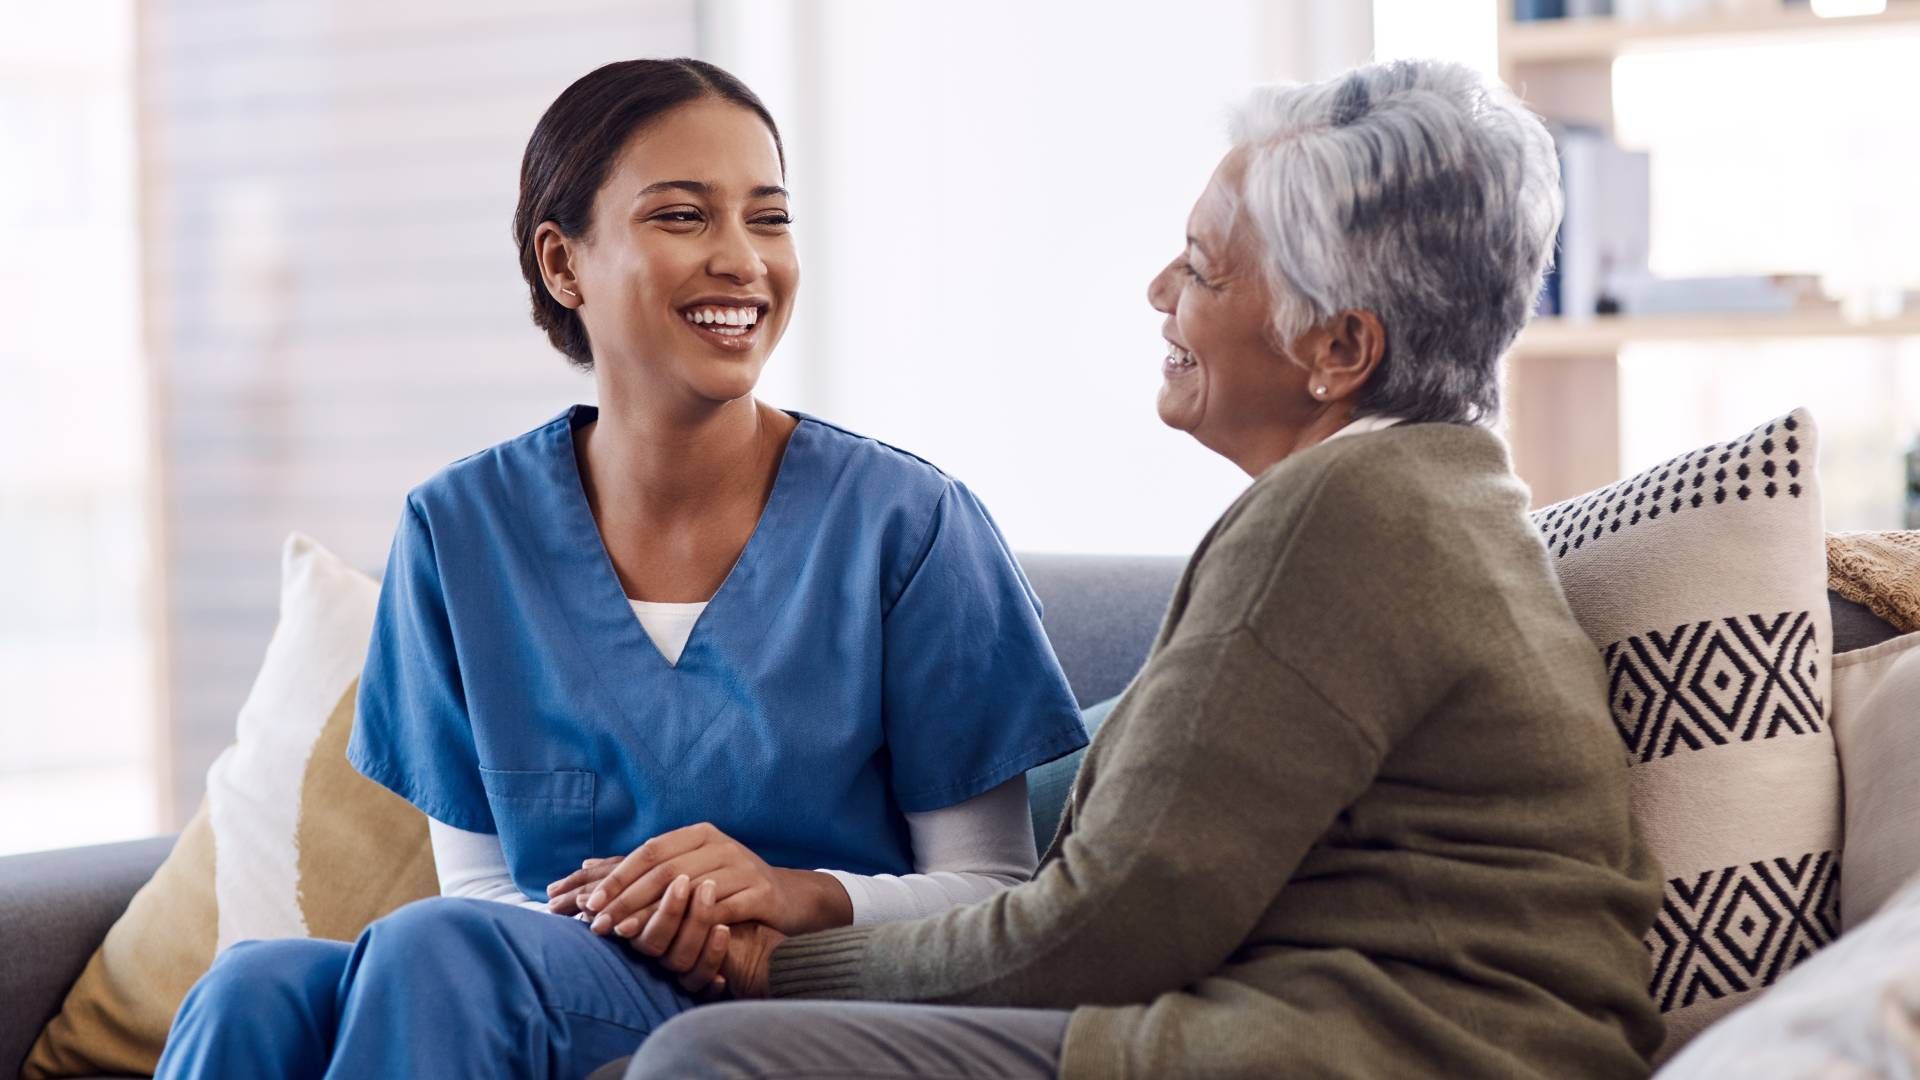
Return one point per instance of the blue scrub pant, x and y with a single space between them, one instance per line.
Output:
441 987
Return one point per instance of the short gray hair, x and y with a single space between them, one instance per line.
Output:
1420 191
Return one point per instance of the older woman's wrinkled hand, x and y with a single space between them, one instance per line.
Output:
708 958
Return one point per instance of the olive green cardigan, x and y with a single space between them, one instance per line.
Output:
1363 813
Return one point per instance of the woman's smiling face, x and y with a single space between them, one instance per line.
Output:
688 272
1225 383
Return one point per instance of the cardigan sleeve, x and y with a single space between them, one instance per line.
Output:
1194 821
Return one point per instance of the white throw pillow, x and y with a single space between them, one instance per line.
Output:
1702 581
1876 721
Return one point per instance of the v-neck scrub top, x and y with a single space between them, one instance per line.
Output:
875 651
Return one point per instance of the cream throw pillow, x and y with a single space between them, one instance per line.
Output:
290 842
1703 583
1876 721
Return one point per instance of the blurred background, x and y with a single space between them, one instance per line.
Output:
262 281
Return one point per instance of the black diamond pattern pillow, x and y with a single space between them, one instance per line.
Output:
1702 581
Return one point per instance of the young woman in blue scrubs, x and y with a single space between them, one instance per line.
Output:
678 662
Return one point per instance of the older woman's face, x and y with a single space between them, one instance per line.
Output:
1224 382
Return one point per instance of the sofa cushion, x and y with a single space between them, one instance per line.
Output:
1702 581
1876 723
1855 626
290 842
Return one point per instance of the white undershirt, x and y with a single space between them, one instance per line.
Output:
669 625
961 853
1363 426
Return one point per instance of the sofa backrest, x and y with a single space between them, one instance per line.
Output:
1102 611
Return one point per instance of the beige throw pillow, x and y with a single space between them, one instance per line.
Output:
1703 583
290 842
1876 721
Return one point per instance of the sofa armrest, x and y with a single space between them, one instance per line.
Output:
55 908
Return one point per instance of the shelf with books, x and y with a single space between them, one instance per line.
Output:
1563 67
1599 38
1552 41
1563 404
1550 338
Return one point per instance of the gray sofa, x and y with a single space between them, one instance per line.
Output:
1101 614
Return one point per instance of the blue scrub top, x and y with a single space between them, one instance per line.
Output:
876 650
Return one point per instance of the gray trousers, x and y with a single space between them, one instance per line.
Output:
870 1040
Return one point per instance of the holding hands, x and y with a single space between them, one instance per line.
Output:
703 904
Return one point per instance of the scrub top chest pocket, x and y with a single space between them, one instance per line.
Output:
545 819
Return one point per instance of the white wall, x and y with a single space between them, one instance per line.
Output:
982 192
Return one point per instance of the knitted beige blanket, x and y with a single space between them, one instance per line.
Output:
1880 570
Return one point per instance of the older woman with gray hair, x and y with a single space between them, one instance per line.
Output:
1364 812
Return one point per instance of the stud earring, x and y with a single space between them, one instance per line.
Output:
569 292
1320 391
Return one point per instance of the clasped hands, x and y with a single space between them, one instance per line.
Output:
702 904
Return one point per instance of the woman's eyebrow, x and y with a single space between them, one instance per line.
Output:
694 186
698 188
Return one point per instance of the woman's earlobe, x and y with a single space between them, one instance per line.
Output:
553 259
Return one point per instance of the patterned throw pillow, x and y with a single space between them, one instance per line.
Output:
1703 583
290 842
1851 1013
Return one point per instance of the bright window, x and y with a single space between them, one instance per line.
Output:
77 644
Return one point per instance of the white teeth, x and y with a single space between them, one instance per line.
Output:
717 316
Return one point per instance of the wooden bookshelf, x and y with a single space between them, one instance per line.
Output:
1562 379
1549 339
1572 40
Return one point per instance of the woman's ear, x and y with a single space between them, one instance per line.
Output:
554 253
1347 352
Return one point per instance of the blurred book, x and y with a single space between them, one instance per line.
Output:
1913 484
1672 10
1603 234
1601 265
1778 294
1640 10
